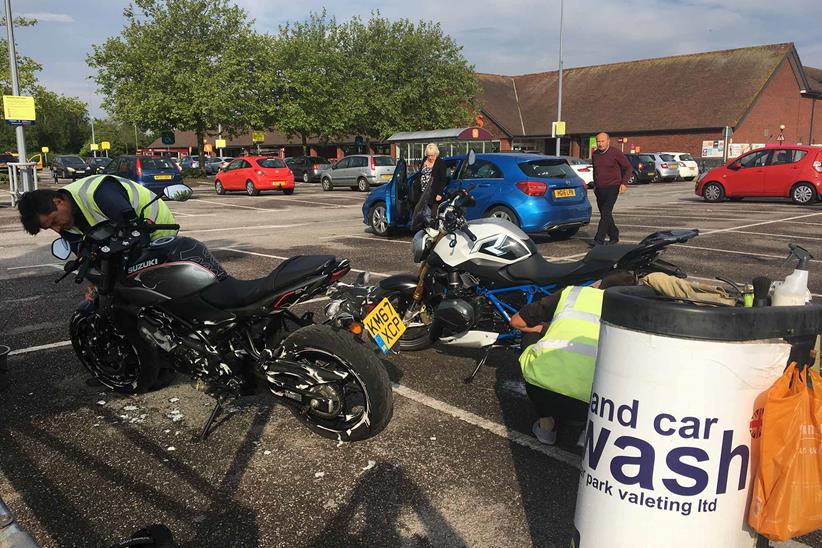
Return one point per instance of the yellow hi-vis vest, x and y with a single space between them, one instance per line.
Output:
563 361
82 191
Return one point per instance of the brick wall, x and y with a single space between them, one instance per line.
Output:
780 103
684 141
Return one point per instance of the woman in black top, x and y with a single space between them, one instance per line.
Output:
429 186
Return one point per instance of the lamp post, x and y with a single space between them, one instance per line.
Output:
15 90
559 93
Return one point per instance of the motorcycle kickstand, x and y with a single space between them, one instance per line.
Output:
218 408
480 363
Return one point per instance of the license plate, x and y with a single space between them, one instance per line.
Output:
384 325
565 193
278 183
162 177
385 176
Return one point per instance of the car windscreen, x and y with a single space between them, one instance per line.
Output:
547 169
72 160
155 163
646 158
686 157
319 160
667 157
271 163
383 161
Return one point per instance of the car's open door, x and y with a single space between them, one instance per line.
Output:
398 207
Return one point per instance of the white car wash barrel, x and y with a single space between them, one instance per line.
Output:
668 454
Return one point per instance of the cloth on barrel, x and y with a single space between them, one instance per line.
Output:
678 288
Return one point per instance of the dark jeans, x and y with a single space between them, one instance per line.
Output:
551 404
606 199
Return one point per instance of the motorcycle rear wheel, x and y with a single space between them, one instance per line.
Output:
363 400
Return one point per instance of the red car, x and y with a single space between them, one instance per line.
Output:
790 171
255 174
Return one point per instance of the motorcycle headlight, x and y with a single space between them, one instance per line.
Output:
419 245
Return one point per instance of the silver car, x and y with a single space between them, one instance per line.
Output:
667 167
359 172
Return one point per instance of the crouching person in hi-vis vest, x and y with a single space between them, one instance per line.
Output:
561 334
72 210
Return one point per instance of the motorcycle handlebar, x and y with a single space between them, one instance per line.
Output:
468 233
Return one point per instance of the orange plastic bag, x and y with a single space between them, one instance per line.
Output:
787 489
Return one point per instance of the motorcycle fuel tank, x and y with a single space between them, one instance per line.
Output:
170 268
499 244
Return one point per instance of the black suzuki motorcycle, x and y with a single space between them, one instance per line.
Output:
166 305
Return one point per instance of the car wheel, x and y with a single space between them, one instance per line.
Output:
378 219
502 212
56 178
218 187
251 189
362 184
803 194
713 192
657 177
305 176
288 191
327 184
632 180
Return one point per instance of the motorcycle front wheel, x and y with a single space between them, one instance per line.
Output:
362 401
417 320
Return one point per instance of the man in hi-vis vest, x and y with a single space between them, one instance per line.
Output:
561 335
71 211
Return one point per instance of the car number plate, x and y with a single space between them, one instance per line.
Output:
385 176
384 325
278 183
162 177
565 193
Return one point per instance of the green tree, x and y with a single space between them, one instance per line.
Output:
409 77
311 81
183 64
62 123
120 134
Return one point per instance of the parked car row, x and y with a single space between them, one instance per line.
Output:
647 167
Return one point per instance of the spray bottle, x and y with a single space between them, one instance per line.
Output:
794 290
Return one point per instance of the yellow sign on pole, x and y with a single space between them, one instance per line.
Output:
105 145
44 150
557 129
94 146
18 107
219 143
257 136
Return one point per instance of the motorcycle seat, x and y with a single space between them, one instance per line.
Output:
609 253
537 270
233 293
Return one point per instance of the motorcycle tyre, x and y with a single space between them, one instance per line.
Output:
367 367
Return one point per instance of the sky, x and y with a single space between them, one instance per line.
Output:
498 36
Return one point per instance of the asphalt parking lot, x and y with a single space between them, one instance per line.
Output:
457 465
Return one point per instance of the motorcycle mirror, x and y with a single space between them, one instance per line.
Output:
178 193
472 157
61 249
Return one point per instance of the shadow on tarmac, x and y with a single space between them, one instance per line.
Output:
380 501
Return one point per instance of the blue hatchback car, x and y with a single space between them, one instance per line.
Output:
153 173
540 194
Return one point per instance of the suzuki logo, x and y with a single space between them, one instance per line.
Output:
496 248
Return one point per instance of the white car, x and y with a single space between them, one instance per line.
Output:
688 169
583 168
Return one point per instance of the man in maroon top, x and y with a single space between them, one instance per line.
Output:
612 171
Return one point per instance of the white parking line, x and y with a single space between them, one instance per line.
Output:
789 236
49 265
748 253
242 228
490 426
763 223
38 348
371 238
227 204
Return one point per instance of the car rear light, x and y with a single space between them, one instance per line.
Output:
682 164
532 188
817 165
584 169
139 168
664 165
640 165
373 164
